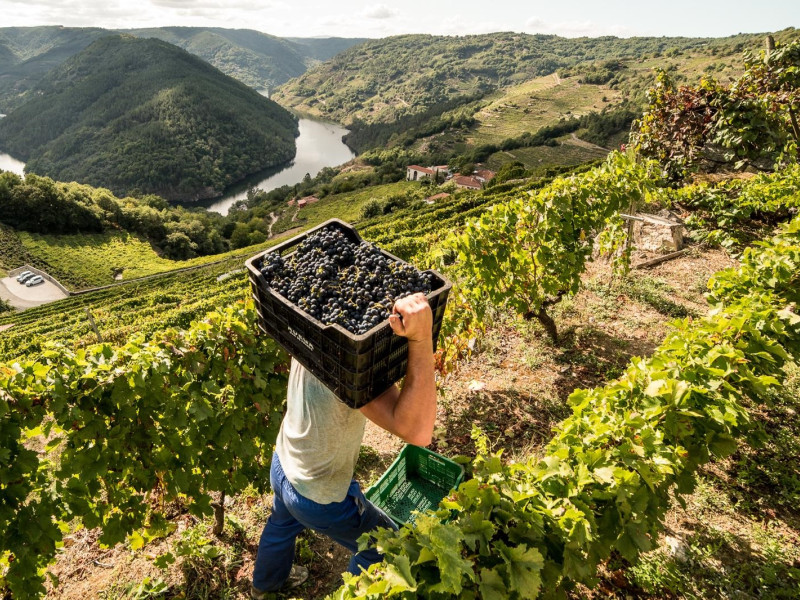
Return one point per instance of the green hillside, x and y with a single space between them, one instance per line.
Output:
257 59
491 87
142 115
322 49
383 79
28 53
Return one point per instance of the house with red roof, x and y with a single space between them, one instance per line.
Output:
470 183
306 201
484 175
415 172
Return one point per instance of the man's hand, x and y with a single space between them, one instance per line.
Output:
413 318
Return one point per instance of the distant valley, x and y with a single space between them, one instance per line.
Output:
257 59
537 101
144 116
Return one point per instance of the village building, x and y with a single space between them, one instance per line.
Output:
470 183
484 175
415 172
306 201
436 197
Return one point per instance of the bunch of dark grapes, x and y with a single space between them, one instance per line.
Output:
336 280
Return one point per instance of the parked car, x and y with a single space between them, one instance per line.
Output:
22 278
34 281
23 274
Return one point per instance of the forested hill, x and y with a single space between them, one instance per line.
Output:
385 79
257 59
28 53
137 115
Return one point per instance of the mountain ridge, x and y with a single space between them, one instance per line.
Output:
28 53
137 115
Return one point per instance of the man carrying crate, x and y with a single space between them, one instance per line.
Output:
317 448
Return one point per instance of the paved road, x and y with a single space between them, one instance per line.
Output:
21 296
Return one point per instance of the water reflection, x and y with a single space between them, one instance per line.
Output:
9 163
319 145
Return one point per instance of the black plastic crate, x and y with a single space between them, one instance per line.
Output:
357 368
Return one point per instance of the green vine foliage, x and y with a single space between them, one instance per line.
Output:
530 251
109 437
676 123
726 212
534 529
752 122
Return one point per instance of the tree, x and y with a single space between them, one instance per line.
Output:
178 246
240 237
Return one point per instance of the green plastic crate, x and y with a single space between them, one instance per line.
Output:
418 479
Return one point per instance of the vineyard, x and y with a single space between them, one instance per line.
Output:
119 435
143 416
118 312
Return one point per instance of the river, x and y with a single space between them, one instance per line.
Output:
9 163
319 145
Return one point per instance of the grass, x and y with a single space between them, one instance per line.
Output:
97 258
537 103
88 260
565 153
346 206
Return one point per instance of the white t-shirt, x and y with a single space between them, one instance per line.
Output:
319 440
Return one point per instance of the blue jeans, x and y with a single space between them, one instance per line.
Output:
342 521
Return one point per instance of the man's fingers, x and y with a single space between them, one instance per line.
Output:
408 304
396 323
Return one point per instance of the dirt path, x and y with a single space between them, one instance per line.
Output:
576 141
274 218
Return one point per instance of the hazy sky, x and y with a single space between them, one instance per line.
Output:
357 18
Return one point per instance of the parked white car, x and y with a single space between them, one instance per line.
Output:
24 275
34 281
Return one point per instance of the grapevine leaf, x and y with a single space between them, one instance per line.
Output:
524 566
398 575
492 586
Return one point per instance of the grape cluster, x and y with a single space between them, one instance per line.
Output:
336 280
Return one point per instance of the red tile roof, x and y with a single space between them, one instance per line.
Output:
467 182
438 196
422 169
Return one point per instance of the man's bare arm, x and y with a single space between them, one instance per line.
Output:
410 412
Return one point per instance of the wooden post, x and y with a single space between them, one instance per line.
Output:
219 514
94 326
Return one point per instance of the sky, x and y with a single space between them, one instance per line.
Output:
359 18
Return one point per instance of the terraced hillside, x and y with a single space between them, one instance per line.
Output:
170 301
176 299
382 80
